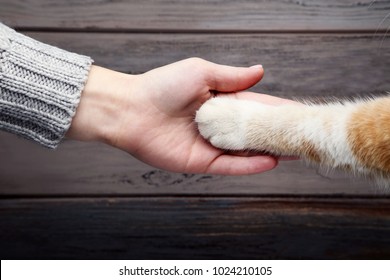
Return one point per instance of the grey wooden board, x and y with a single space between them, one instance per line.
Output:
198 15
295 65
194 228
309 49
95 169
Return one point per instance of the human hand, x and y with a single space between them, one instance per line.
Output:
151 116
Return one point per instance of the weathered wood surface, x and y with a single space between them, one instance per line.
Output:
194 228
197 15
76 168
295 65
124 209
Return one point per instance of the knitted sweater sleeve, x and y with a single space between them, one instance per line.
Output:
40 87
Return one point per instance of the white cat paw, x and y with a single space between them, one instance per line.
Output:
223 121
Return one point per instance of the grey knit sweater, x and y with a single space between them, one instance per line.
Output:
40 87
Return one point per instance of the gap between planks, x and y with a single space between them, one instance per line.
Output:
263 197
382 31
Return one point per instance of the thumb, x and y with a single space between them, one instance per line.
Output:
229 79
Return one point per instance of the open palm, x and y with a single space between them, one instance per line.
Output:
161 130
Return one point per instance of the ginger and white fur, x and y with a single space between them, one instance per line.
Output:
352 136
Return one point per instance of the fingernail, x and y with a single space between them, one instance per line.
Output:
258 66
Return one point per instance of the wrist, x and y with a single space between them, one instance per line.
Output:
97 116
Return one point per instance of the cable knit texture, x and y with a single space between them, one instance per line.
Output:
40 87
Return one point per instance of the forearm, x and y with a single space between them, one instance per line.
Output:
103 99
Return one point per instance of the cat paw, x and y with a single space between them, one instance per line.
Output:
222 121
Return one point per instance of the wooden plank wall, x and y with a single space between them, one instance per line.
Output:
92 201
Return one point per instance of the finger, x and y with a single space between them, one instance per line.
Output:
245 153
265 99
224 78
252 153
236 165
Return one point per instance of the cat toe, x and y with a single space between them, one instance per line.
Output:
219 122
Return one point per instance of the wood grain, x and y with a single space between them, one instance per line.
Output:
76 168
295 65
194 228
197 15
101 203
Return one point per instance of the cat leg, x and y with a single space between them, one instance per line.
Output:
351 136
316 133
